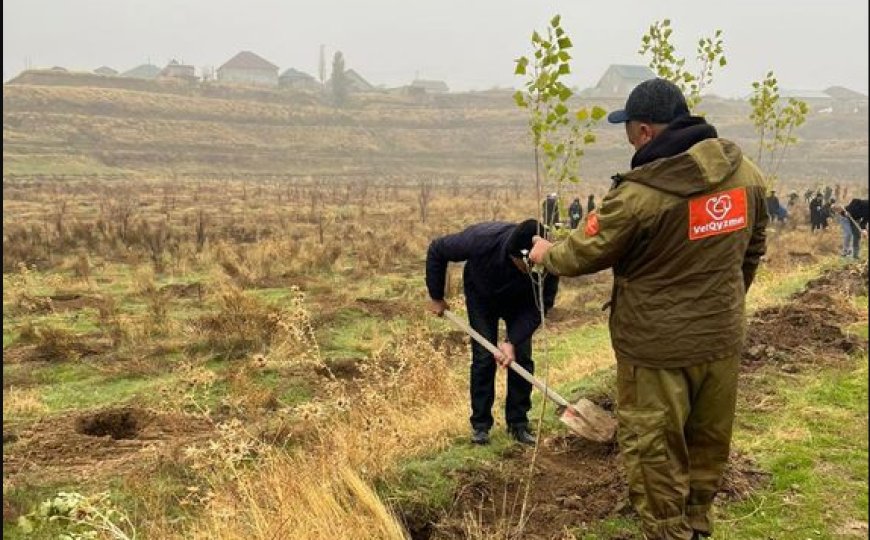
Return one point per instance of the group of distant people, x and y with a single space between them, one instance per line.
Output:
552 217
824 206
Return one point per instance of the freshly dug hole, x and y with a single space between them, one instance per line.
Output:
117 424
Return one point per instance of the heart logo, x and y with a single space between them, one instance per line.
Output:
718 207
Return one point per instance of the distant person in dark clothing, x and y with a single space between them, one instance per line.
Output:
816 209
775 209
827 213
575 213
793 198
498 285
828 193
808 196
590 204
550 209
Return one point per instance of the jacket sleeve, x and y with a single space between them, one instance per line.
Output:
451 248
594 247
757 244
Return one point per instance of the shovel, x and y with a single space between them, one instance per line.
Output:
583 418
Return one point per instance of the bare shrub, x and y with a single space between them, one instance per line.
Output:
241 325
155 298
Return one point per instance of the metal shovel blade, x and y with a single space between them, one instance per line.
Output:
589 421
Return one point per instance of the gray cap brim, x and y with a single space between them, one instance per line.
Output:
618 117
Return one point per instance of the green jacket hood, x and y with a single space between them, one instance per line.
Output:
699 169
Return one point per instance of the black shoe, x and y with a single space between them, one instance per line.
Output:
521 434
480 436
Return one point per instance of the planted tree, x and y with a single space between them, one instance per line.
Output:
775 123
559 134
663 60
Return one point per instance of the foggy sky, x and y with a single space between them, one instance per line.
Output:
470 44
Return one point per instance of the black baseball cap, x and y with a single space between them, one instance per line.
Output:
657 101
521 238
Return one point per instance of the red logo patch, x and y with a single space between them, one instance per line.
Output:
720 213
591 224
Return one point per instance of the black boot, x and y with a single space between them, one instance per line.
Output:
521 433
480 436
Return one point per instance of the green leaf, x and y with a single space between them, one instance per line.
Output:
559 32
536 38
598 113
564 69
522 62
565 93
554 22
583 114
565 43
564 56
722 62
561 109
520 99
589 138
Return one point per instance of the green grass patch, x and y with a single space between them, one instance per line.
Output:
566 345
9 337
815 446
355 333
98 391
426 482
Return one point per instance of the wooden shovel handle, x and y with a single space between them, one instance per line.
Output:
462 325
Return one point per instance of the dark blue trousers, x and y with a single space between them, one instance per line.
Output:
484 318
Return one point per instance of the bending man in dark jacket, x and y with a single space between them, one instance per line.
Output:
683 231
497 286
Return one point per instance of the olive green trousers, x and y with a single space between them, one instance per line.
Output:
674 437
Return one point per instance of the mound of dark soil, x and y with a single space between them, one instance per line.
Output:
741 478
850 280
809 326
574 482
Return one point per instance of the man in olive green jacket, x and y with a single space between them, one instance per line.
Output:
683 231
